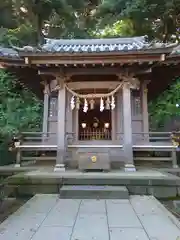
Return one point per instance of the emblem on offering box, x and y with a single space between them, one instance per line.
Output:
93 159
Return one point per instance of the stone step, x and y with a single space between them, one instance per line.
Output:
93 192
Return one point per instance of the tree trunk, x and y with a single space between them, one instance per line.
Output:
40 38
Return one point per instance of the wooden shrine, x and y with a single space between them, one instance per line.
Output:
96 94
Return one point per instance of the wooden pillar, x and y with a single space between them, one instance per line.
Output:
113 119
61 129
145 113
69 118
46 110
127 128
76 125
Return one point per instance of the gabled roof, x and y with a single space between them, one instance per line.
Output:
130 45
105 45
94 45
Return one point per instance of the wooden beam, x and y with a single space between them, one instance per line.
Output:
95 59
92 85
94 70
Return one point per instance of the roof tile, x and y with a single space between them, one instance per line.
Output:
94 45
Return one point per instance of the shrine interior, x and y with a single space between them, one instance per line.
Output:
94 124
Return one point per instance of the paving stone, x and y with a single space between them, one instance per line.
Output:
53 233
21 228
158 223
92 206
91 226
39 203
144 205
63 214
17 234
140 218
25 221
122 215
159 227
128 234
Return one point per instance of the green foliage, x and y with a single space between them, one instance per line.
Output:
7 17
118 29
30 19
20 110
18 36
156 19
164 107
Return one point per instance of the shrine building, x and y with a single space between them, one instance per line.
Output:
95 94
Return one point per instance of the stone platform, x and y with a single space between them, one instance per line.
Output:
142 182
48 217
91 192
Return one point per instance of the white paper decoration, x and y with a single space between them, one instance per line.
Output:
112 102
72 103
85 109
101 105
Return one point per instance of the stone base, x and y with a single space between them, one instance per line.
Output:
17 165
93 192
175 166
129 168
59 168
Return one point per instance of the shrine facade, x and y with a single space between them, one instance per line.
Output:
95 98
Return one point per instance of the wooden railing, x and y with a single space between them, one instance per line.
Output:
38 137
152 136
96 134
47 142
41 138
51 138
147 136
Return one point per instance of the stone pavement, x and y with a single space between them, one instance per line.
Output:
48 217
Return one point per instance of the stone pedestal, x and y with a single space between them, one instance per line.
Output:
129 168
17 165
59 168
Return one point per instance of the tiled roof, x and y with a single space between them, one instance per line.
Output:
176 51
94 45
8 52
86 46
